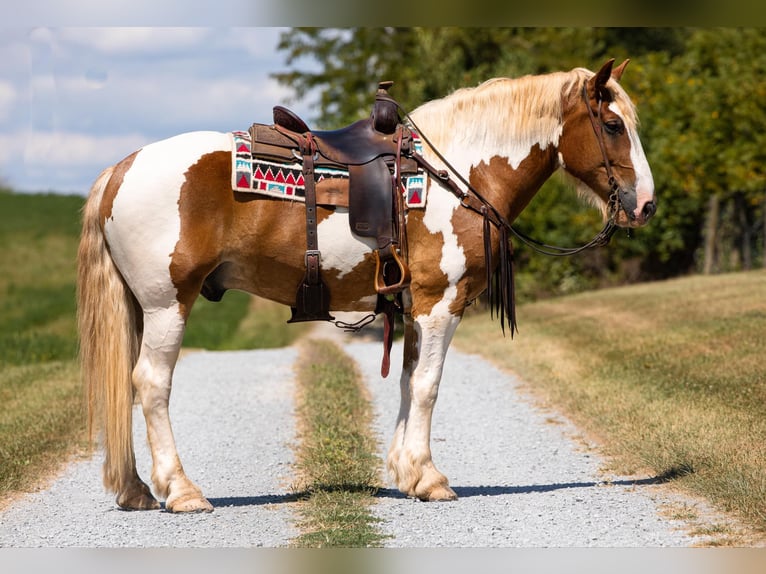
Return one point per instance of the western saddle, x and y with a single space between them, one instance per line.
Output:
375 152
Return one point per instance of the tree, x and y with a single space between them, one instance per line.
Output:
706 130
699 92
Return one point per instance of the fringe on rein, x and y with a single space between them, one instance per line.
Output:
500 280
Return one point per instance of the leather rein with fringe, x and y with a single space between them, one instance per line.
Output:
500 280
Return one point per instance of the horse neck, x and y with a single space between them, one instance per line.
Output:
502 136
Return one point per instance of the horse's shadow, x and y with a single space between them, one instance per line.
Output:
461 491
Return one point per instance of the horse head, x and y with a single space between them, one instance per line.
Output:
600 147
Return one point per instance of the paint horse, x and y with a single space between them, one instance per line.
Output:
164 220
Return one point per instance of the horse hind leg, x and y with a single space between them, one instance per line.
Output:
409 458
152 378
109 332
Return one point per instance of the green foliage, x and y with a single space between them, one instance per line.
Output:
699 92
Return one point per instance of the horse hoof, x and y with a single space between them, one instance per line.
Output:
140 501
189 504
439 494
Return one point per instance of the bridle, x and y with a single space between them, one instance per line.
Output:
614 204
500 282
472 199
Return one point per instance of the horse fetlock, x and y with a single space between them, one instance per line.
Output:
402 470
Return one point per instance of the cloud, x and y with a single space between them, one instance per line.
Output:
67 161
112 41
140 12
74 100
66 149
7 99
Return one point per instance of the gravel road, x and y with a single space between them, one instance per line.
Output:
523 477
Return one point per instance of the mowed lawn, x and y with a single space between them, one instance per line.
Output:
670 376
41 413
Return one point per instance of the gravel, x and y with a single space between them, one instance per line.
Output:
524 476
232 415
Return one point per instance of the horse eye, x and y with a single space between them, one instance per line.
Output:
614 127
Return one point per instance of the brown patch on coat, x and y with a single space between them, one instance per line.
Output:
205 213
253 243
429 282
509 191
113 186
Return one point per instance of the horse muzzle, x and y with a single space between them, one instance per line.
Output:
633 210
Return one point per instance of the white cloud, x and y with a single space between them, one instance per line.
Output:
140 12
67 161
69 149
7 99
74 100
254 42
134 40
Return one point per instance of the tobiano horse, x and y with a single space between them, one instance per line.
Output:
158 225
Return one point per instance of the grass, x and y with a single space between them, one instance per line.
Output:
668 376
240 321
41 418
336 459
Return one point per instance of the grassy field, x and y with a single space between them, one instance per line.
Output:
669 376
336 461
41 417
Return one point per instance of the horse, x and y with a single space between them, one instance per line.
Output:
164 225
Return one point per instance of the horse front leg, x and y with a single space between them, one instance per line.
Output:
152 378
426 340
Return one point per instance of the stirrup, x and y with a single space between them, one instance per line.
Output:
400 275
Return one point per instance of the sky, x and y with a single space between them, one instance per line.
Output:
74 100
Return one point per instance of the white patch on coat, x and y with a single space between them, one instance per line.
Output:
145 223
438 219
341 250
644 178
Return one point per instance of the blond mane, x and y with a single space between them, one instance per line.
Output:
508 114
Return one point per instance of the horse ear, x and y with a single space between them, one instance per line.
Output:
617 72
597 83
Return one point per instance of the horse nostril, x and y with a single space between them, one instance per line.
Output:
649 209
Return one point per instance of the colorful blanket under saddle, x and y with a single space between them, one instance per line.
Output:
285 180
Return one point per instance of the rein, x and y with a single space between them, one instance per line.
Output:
601 239
500 285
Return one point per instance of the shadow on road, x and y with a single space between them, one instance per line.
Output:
468 491
461 491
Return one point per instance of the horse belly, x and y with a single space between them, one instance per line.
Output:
349 264
270 253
